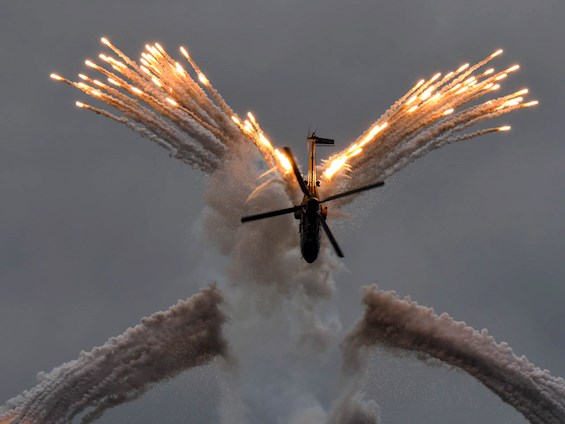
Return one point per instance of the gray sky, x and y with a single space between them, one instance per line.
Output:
98 227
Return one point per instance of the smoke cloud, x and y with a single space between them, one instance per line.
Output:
281 322
186 335
403 324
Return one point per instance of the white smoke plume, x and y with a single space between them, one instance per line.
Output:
186 335
403 324
281 322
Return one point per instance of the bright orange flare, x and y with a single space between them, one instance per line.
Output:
514 101
203 79
264 140
247 127
412 99
356 152
426 94
504 128
435 77
462 68
179 68
283 160
335 166
372 133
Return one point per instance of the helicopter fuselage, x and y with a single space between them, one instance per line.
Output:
311 213
310 236
310 228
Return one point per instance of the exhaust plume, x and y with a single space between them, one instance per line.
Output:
403 324
186 335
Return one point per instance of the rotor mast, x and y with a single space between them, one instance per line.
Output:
312 178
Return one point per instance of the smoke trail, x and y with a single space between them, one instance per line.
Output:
281 322
186 335
403 324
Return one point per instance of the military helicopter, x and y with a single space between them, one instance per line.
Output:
310 212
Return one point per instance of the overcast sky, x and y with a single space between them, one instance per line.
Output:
98 226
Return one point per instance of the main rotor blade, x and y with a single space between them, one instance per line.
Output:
296 171
350 192
330 236
270 214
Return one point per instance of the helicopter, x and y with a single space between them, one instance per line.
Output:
311 213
